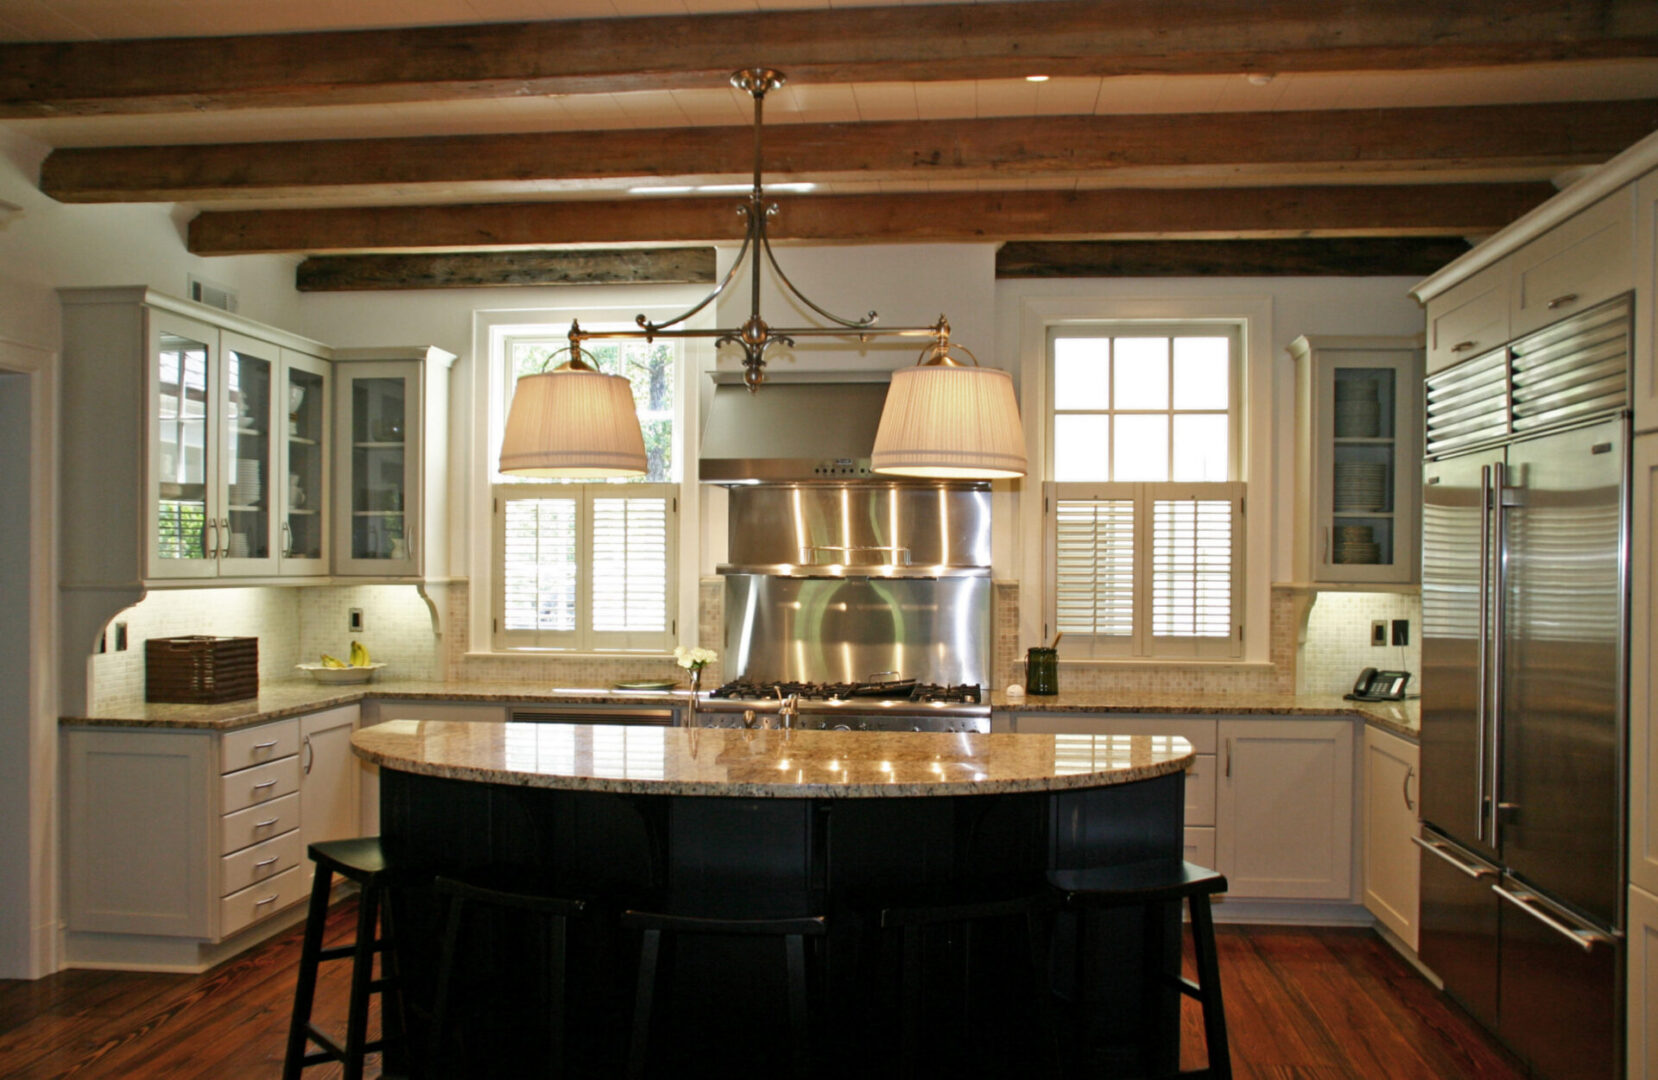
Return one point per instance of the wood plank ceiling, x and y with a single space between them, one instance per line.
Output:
1385 131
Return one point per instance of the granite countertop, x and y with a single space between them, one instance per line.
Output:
278 700
765 764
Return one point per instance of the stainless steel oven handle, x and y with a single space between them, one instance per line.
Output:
1484 639
1583 938
1475 872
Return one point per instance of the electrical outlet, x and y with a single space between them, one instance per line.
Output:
120 637
1378 632
354 620
1401 631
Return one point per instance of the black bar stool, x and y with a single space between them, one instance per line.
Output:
1147 885
550 971
794 931
362 861
913 918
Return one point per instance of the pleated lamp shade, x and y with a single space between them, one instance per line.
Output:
573 423
950 423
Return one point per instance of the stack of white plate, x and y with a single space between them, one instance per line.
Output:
248 488
1358 410
1356 544
1360 486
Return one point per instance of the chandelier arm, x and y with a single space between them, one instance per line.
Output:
730 276
867 322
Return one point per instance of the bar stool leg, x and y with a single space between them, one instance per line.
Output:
394 1024
552 968
362 973
445 972
310 956
1208 974
639 1049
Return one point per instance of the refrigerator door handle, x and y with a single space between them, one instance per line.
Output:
1583 937
1484 647
1501 492
1444 852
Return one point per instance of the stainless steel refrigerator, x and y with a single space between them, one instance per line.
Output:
1524 632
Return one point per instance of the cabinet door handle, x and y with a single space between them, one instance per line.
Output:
210 549
287 541
310 755
1562 301
265 862
1410 771
1229 758
1463 346
224 537
1324 555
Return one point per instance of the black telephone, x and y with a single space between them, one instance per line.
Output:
1376 685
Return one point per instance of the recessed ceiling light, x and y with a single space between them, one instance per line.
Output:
1036 78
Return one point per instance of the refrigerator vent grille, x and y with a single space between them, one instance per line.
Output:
1577 368
1468 404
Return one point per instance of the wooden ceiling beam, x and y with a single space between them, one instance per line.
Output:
1367 256
493 269
483 166
921 42
1143 213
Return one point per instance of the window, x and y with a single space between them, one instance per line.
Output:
1143 511
591 566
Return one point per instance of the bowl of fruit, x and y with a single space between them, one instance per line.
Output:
335 672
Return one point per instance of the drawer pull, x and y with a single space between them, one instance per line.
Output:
267 900
267 823
264 784
265 862
1475 872
1583 937
264 745
1562 301
1463 346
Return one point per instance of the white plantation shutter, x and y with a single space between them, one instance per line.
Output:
1146 569
585 567
1196 555
1093 574
630 564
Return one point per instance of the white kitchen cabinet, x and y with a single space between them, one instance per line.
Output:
1469 318
1358 459
176 841
1643 672
1643 384
1392 868
1284 807
1575 265
1642 959
201 397
391 452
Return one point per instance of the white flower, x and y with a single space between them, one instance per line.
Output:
693 658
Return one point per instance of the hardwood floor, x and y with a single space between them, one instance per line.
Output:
1301 1004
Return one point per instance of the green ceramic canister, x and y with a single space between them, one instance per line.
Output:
1041 670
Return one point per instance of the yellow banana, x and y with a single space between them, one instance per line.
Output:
359 655
330 662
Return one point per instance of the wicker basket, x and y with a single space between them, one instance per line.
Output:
201 670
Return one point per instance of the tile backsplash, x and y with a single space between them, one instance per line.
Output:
1338 645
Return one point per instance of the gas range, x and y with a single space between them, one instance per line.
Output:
888 706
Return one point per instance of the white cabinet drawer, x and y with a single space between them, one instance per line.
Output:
258 745
260 862
259 822
1200 790
243 908
1469 318
1200 846
259 784
1585 259
1200 733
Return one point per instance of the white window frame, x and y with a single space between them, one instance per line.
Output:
1046 307
484 418
585 637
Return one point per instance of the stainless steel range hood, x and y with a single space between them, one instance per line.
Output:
797 427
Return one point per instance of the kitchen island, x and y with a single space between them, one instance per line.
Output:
735 823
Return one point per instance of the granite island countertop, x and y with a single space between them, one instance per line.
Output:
765 764
283 699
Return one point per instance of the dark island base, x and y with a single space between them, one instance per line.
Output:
720 1010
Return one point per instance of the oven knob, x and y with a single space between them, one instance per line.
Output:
843 727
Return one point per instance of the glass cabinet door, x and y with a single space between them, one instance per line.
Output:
302 543
1367 467
187 538
382 405
247 475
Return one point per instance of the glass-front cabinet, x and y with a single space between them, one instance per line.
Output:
228 421
1359 459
